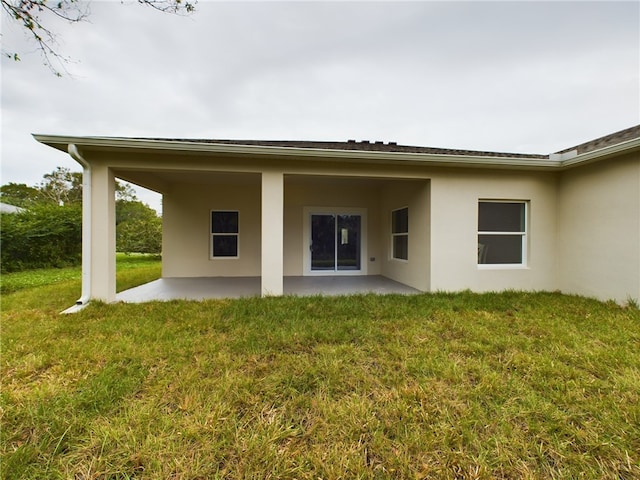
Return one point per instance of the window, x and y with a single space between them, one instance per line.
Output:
400 234
502 232
224 234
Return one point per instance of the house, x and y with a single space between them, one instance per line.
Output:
7 208
433 219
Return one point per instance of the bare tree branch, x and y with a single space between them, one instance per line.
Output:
32 15
171 6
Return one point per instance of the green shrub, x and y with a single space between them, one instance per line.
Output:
42 236
139 235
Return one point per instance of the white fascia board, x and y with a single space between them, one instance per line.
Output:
595 155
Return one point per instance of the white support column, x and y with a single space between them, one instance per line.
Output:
103 234
272 233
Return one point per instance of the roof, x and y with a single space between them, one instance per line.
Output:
379 146
364 145
611 139
624 141
6 208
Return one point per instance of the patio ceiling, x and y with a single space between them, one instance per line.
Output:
160 180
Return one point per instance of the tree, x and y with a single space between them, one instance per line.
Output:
42 236
35 15
138 227
140 236
49 232
64 187
130 210
19 194
125 192
61 187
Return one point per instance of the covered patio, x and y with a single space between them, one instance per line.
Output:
243 220
202 288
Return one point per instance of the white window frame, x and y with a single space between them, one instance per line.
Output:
523 234
212 235
399 234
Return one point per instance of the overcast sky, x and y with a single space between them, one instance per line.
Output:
532 77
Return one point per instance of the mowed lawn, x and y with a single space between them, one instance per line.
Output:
454 386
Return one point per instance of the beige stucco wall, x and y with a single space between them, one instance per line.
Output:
454 219
186 229
272 232
583 223
317 191
102 264
443 221
599 229
413 194
186 210
186 223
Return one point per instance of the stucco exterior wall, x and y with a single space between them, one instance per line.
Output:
102 269
186 210
415 271
324 192
187 235
590 211
443 205
186 214
599 229
454 222
582 225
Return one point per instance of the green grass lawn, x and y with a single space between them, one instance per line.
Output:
137 266
58 288
459 386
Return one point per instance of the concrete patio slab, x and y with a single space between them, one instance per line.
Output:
344 285
203 288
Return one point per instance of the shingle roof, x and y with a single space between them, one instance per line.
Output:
363 145
7 208
377 146
606 141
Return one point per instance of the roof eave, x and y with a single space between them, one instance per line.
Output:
601 154
105 143
479 161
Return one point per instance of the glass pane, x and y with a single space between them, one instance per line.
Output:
401 247
348 238
224 222
323 238
500 249
500 217
225 245
400 221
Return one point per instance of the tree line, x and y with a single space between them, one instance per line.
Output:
47 231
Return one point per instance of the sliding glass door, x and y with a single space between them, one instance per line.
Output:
323 242
335 242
